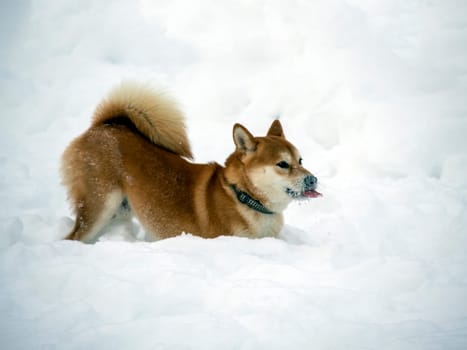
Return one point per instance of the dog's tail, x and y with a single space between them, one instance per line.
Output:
153 113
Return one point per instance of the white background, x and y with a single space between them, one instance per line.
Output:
373 93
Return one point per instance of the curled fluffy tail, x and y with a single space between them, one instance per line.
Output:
154 114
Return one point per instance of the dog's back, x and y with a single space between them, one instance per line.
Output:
113 154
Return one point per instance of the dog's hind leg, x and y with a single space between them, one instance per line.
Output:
92 215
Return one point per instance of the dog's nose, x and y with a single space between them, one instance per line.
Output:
310 182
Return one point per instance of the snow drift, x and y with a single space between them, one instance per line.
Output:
373 95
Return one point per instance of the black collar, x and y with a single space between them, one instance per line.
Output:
248 200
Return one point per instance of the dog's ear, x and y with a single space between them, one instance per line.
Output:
243 139
276 129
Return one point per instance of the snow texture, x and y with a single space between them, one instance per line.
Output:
372 93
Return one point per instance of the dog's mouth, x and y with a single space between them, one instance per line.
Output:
312 194
304 194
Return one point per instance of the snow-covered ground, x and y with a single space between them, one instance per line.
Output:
373 93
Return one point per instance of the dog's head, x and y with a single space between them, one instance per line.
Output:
270 167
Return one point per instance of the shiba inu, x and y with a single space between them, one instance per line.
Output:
136 159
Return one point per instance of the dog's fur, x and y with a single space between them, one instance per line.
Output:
135 158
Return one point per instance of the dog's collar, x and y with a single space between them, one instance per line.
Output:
249 201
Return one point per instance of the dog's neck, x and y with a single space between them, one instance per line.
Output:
244 198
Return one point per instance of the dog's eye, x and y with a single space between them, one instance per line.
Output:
283 164
300 161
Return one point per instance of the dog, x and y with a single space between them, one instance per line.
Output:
135 159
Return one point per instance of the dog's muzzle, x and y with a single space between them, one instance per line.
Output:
310 183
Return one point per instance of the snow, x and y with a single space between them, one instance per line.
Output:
373 95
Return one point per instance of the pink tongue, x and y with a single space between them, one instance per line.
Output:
312 194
